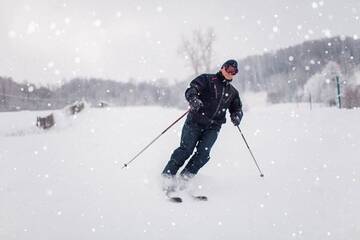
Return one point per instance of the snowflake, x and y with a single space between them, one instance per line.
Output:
326 32
159 9
97 23
32 27
50 64
12 34
31 89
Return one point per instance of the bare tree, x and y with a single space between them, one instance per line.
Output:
199 50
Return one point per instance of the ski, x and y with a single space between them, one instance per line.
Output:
175 199
199 197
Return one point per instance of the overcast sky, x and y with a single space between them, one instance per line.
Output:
46 41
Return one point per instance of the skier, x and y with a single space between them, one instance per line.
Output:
209 96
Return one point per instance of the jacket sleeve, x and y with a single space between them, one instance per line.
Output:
236 105
197 86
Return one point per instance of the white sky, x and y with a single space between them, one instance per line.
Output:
46 41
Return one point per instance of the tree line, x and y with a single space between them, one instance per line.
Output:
284 73
25 96
287 75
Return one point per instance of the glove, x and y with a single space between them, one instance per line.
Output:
236 118
195 104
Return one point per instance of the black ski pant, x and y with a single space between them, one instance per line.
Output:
193 135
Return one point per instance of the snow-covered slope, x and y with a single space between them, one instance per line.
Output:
67 183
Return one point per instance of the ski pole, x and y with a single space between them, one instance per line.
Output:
142 150
247 145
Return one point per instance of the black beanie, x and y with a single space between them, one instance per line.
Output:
230 62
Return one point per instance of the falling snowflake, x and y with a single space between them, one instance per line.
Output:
32 27
31 89
159 9
50 64
326 32
97 23
12 34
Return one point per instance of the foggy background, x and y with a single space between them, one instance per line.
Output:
49 41
146 52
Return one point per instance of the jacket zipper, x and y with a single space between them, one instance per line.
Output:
218 107
215 88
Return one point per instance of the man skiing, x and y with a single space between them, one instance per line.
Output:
209 96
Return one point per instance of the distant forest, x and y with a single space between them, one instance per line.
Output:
285 75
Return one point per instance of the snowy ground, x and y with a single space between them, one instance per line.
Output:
67 183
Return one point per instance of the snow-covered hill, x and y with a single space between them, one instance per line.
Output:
67 183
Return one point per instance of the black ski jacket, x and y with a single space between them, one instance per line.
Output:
217 95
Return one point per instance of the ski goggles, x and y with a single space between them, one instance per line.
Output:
231 70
